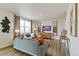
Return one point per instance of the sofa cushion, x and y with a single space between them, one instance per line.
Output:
28 35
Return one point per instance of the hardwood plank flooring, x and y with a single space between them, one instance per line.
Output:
9 51
53 49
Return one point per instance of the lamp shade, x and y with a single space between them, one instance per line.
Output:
17 30
34 28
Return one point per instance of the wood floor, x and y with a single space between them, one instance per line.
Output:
9 51
53 50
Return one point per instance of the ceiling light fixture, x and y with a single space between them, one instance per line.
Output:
40 14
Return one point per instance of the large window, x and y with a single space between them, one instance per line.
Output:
25 26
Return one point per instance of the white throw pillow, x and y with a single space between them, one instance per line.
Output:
32 35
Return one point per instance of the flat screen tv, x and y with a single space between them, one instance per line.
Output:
46 28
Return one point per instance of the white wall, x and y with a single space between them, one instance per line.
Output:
6 38
61 25
74 41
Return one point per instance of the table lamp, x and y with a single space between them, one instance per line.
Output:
17 32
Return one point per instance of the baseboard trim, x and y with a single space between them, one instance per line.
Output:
6 47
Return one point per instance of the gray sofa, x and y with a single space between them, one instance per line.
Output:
30 46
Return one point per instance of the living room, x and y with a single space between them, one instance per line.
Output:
18 24
30 28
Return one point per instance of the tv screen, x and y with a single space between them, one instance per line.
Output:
46 28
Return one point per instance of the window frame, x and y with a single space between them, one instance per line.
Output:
24 27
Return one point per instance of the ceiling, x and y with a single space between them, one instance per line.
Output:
36 11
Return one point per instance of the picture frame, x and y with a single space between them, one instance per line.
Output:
73 20
46 28
55 27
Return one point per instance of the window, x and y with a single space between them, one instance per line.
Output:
25 26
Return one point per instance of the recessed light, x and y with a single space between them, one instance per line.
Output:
40 14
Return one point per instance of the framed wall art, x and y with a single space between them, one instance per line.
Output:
73 20
55 27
